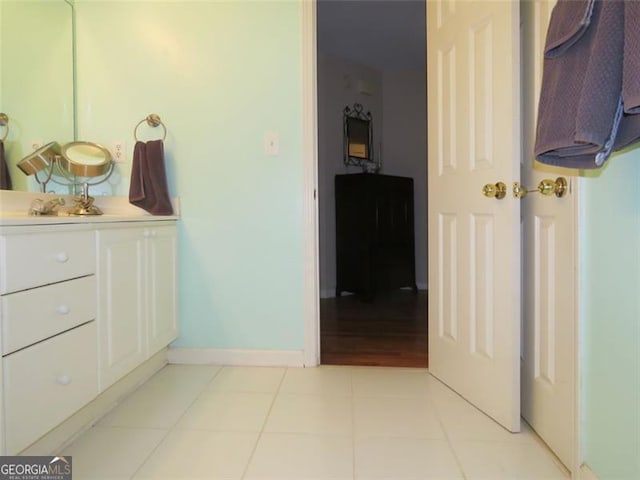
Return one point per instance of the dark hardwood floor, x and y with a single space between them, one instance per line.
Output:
390 331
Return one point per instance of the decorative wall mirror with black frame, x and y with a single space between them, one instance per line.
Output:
358 138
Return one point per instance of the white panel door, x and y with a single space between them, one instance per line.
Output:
548 356
474 139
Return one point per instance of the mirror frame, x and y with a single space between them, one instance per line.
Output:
79 169
355 123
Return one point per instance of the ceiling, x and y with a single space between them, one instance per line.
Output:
383 34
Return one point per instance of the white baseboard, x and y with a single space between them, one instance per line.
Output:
586 473
219 356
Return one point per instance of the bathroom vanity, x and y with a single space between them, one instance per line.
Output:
84 303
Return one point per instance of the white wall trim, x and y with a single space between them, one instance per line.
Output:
586 473
578 423
234 357
310 186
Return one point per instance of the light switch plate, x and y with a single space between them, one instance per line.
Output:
271 144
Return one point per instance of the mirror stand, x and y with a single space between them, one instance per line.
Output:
83 203
43 183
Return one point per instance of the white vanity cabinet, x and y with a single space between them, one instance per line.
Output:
48 312
136 295
84 302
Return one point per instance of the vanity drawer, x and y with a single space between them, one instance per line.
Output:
33 260
33 315
46 383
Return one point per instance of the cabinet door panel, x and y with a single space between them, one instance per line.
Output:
162 316
121 302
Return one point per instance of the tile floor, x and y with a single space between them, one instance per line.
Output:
206 422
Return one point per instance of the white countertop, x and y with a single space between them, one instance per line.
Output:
62 218
14 208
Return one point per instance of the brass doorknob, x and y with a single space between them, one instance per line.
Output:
497 191
551 187
557 187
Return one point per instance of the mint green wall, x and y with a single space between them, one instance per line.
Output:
610 295
220 75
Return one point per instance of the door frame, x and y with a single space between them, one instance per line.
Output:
310 209
311 250
577 469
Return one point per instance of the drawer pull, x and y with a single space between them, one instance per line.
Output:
63 309
62 257
64 380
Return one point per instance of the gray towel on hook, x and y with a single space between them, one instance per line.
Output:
571 20
631 67
580 107
148 187
5 179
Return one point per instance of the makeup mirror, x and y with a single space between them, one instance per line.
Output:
78 163
43 159
85 159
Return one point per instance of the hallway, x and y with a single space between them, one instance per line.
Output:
391 331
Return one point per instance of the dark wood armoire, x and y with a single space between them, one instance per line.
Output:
375 246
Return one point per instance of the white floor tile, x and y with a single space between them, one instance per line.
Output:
310 420
286 456
390 382
108 453
317 380
199 454
228 412
295 413
396 417
405 459
247 379
184 377
506 461
156 405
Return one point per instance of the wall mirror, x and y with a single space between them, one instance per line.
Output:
357 137
37 84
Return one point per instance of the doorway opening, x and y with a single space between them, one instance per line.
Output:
373 53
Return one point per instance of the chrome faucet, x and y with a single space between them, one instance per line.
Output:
50 207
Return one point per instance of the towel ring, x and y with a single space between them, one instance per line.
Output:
4 122
153 120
